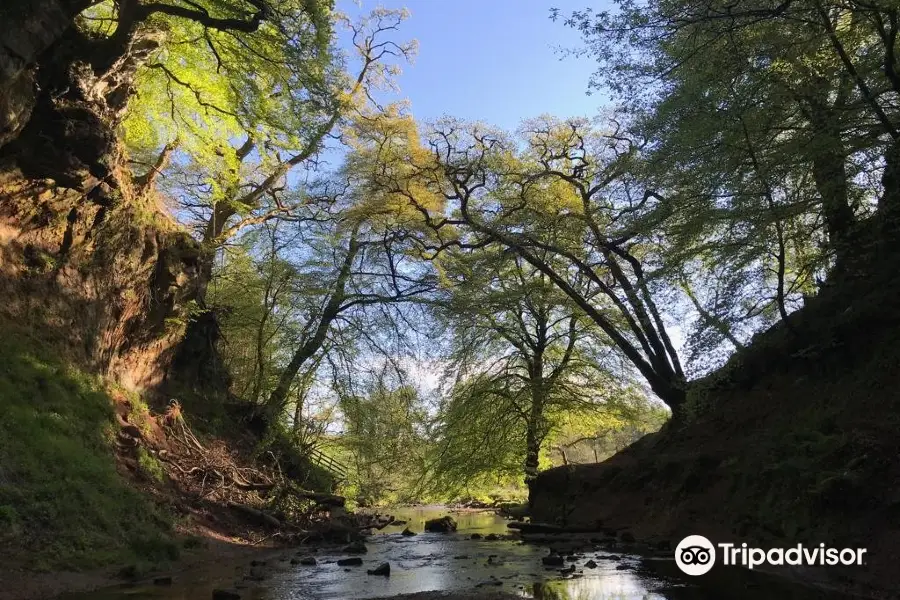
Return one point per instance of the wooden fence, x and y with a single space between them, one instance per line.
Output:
322 460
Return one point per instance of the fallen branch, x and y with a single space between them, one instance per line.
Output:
320 498
260 516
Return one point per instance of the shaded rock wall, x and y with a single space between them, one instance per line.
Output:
87 258
29 29
109 285
793 441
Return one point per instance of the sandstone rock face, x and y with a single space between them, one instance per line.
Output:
29 29
87 256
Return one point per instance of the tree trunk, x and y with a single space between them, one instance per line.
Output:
828 156
666 384
278 397
889 204
534 435
532 454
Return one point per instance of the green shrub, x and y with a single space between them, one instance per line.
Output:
149 466
58 479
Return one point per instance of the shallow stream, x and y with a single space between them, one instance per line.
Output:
435 561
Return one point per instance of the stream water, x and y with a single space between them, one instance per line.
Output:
435 561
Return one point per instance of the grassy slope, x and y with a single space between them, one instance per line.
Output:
63 505
793 441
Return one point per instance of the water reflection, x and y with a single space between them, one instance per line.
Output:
469 521
433 561
622 587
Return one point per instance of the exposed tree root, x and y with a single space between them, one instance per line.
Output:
211 473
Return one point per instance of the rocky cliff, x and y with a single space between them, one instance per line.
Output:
87 256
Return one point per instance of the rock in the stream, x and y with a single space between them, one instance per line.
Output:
350 562
225 595
475 536
590 564
442 525
382 569
407 532
355 548
491 581
492 537
308 561
553 560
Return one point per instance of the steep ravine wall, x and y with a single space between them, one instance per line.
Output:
87 258
793 441
28 29
108 284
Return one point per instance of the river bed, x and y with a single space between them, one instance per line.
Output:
455 562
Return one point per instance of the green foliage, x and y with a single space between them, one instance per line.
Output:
526 368
149 466
384 444
588 438
251 285
58 480
766 132
480 447
205 87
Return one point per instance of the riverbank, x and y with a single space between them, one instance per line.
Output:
23 583
97 488
476 561
794 441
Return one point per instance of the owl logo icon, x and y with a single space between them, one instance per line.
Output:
695 555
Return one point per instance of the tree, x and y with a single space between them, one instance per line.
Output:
566 195
521 352
226 187
93 66
383 434
359 255
256 295
751 104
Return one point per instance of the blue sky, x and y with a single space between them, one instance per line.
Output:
491 60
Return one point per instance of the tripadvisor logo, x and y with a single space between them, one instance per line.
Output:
696 555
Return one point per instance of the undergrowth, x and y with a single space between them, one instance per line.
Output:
63 505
